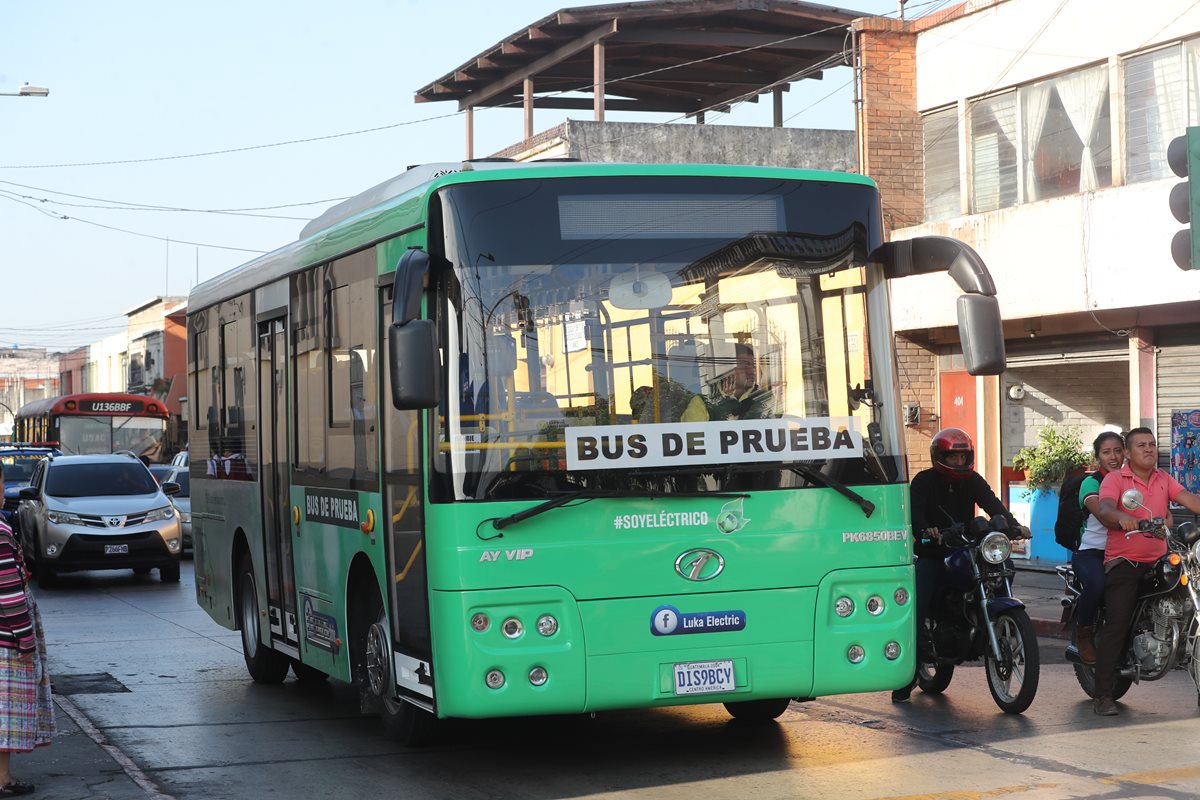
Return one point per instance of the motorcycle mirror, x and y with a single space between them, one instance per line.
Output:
1188 532
980 526
1131 499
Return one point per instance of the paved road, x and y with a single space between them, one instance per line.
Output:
150 676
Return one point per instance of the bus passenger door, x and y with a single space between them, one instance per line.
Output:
404 495
277 523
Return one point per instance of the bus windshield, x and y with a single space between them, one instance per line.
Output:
142 436
662 334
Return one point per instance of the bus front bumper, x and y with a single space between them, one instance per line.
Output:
670 649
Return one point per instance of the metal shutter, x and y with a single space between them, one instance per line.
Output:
1177 380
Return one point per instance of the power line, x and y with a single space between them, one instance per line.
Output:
156 206
53 215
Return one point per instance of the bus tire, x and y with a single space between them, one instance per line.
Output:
758 710
264 664
404 722
169 573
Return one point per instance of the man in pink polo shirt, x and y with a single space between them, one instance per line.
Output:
1128 558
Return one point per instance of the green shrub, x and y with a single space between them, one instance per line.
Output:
1057 453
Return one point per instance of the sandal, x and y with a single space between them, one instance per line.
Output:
16 788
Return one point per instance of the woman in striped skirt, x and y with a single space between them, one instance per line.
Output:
26 710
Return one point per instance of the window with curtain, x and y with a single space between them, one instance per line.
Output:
1155 111
993 152
1066 137
940 129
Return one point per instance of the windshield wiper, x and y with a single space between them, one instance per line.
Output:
500 523
817 476
591 494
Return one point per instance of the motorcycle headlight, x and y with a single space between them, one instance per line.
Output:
1196 553
158 514
63 518
995 547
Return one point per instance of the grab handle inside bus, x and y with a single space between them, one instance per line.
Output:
979 321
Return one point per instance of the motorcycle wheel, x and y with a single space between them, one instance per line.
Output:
1013 680
934 678
1086 675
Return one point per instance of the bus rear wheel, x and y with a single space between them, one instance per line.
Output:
264 664
758 710
406 723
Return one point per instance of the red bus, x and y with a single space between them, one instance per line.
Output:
96 422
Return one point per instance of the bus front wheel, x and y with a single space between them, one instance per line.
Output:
264 664
406 723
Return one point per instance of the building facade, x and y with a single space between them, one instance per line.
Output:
1037 133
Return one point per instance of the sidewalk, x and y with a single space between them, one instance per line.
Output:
77 767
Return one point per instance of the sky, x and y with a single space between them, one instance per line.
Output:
144 82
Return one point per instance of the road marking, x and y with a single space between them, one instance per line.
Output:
131 769
1156 776
968 795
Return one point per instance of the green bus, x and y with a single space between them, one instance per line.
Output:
497 439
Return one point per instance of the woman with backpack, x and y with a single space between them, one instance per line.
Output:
1088 557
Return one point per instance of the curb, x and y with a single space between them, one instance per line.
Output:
1050 628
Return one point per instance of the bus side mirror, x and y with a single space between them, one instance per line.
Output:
413 358
981 334
979 327
407 285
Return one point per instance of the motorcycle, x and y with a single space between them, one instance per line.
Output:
1163 633
977 616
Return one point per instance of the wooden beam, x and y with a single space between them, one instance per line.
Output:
777 107
665 105
553 57
598 81
528 108
815 42
470 117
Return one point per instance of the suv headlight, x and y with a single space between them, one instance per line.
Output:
159 514
185 516
63 518
995 547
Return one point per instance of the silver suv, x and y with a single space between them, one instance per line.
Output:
99 512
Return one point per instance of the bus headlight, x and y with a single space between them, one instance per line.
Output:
547 625
856 654
875 605
512 628
995 547
494 679
844 607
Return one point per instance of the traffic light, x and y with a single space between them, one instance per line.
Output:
1183 154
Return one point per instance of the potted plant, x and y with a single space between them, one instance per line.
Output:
1058 453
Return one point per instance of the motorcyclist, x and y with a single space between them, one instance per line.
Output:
1130 554
943 495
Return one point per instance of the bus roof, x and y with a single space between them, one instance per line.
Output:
150 406
381 211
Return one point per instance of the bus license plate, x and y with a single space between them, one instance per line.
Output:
704 677
115 549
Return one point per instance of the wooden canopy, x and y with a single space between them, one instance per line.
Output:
677 56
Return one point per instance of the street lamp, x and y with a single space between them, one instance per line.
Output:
28 91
